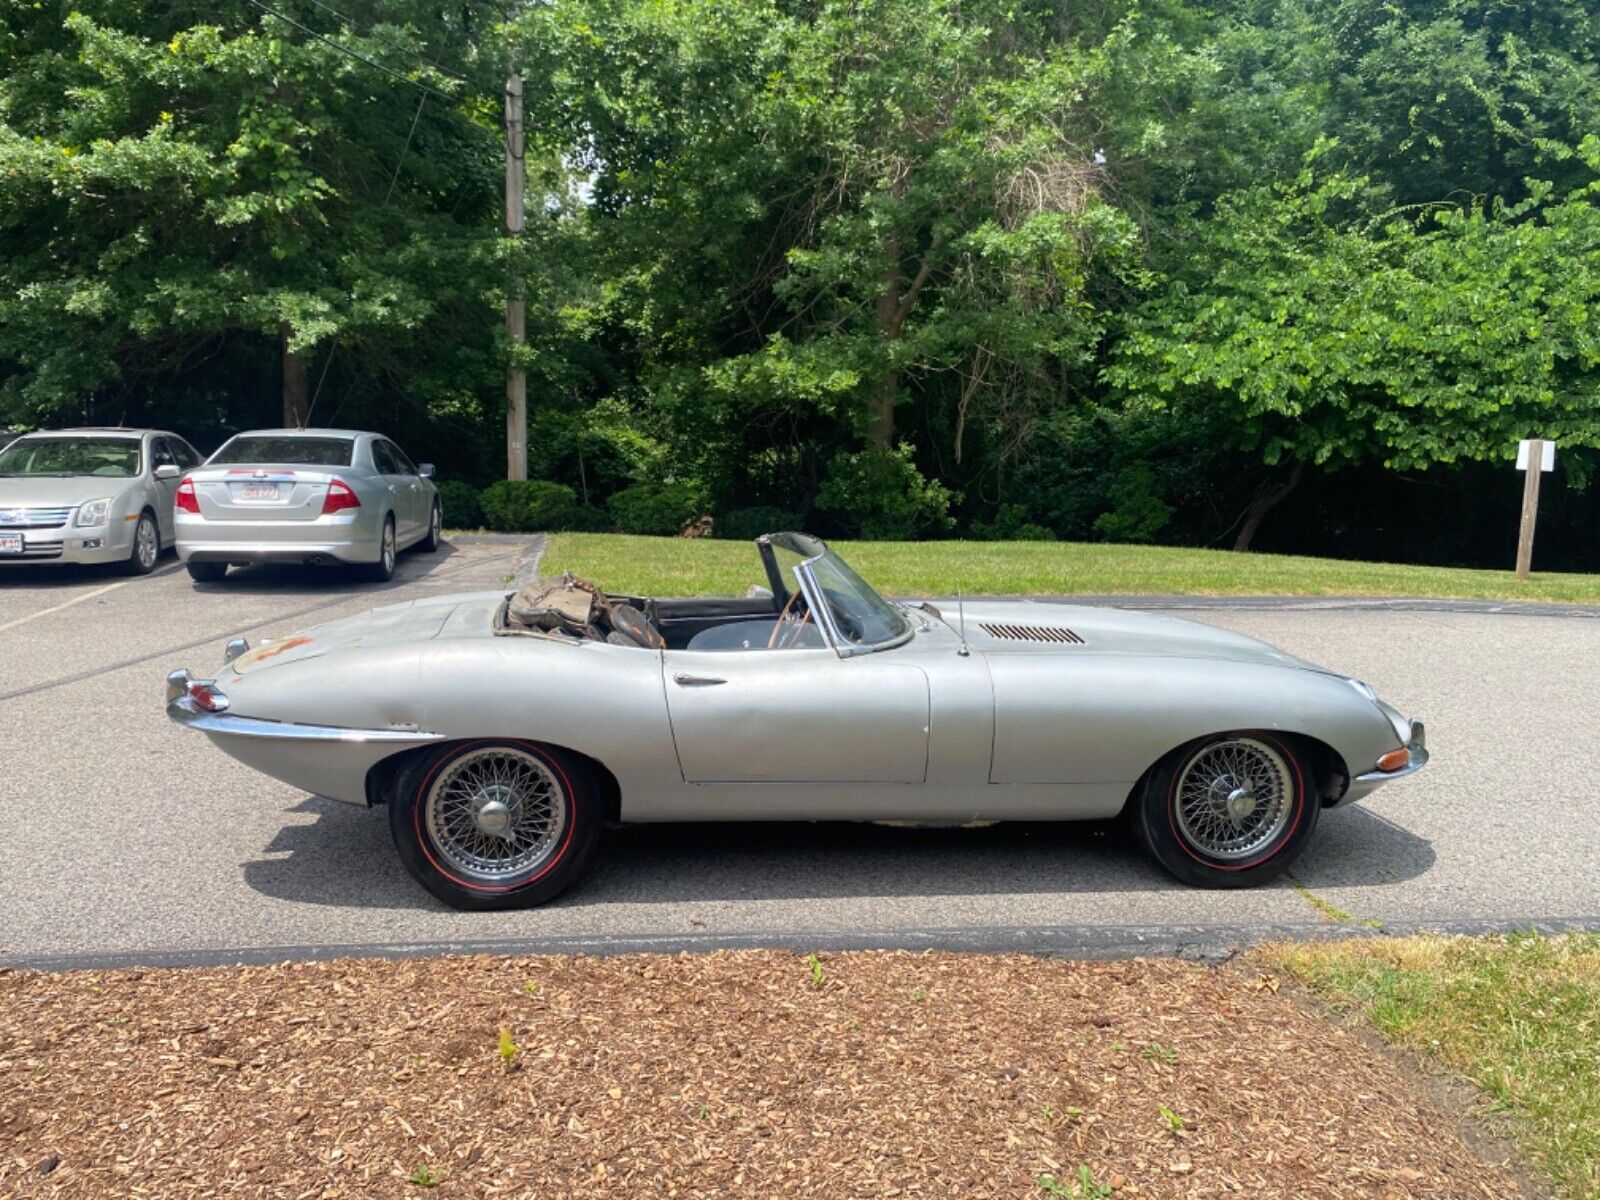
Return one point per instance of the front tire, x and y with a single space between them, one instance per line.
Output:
496 824
146 550
207 572
1229 811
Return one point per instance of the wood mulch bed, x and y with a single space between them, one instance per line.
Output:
730 1074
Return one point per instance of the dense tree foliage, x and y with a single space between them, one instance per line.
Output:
898 267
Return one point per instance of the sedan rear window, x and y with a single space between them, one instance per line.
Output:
302 451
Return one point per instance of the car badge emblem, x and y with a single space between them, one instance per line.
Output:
10 516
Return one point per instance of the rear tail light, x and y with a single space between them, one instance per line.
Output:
186 500
205 697
339 497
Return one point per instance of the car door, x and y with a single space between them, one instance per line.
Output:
389 475
797 716
417 498
162 454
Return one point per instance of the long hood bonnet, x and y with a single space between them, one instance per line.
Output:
1031 627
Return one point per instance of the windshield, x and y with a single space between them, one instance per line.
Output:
302 451
112 458
862 617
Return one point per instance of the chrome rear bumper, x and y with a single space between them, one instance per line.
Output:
182 709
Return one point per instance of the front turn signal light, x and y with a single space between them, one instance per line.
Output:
1395 760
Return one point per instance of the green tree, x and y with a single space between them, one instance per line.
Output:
176 175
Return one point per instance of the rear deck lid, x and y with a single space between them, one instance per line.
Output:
417 621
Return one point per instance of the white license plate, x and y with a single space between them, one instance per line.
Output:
260 491
10 543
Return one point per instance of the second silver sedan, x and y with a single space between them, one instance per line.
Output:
309 496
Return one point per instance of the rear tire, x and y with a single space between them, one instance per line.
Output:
496 824
207 572
146 550
430 543
383 570
1229 811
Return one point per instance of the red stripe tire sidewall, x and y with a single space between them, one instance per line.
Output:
1290 757
419 802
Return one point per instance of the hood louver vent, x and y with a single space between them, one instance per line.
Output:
1032 633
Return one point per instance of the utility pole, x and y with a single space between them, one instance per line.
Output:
516 304
1535 456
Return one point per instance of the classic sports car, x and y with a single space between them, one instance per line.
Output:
502 731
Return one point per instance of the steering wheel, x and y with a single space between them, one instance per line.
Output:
783 615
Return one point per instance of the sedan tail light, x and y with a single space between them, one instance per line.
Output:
186 500
339 497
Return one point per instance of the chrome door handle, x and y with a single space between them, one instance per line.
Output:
696 680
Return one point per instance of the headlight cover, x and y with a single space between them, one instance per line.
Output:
94 512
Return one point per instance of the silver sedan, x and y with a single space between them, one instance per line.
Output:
314 496
90 496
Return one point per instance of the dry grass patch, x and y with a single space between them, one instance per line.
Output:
733 1074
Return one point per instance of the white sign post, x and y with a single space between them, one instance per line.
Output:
1535 456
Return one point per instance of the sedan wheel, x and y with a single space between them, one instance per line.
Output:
435 527
383 569
1227 811
146 546
488 825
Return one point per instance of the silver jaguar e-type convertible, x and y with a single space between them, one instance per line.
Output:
502 731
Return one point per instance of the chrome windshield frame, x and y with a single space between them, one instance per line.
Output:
812 549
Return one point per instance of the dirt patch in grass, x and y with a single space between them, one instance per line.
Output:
748 1074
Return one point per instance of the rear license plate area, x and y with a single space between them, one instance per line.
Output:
258 491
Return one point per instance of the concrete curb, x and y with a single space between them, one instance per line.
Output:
1194 942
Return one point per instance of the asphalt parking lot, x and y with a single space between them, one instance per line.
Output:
124 839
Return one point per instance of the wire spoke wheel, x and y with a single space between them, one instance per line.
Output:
496 814
1234 798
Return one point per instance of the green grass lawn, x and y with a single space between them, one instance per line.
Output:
690 566
1518 1016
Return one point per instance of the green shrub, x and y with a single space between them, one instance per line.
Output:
585 518
744 524
883 495
1011 524
462 508
662 509
527 505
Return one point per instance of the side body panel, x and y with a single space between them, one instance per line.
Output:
1098 718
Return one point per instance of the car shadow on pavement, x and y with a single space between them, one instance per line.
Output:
345 859
268 579
46 576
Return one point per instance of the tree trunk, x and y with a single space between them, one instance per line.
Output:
1264 503
880 404
296 405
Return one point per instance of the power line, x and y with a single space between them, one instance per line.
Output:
393 45
343 49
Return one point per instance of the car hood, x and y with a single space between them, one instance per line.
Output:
51 491
393 625
1031 627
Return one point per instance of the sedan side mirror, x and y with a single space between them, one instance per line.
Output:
166 471
425 470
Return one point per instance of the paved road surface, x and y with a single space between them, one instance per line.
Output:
123 840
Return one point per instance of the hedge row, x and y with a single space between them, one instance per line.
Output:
538 505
